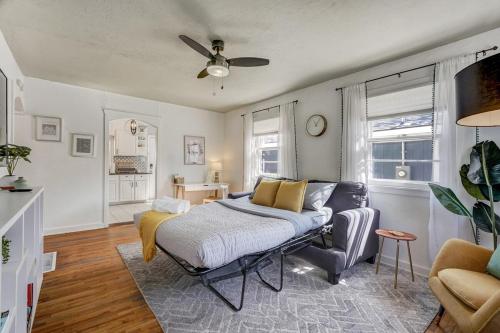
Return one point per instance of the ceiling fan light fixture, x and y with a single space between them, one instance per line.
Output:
218 70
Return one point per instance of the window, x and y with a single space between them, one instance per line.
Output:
268 154
400 130
266 139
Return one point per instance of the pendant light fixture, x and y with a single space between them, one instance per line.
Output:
478 93
133 126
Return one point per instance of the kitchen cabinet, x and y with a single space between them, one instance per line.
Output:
131 145
141 190
125 143
114 189
130 188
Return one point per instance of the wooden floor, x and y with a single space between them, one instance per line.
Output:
446 325
91 289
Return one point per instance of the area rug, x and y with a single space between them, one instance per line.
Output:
361 302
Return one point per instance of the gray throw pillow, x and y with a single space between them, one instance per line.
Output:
317 194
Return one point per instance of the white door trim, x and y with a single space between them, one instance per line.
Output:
113 114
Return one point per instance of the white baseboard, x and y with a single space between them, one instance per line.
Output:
405 265
73 228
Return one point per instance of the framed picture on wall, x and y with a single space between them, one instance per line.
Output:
48 128
82 145
194 150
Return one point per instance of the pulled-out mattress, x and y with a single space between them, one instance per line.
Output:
218 233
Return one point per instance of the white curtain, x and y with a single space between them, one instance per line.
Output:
354 134
450 151
287 160
250 164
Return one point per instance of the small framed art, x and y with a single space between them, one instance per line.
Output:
82 145
48 128
194 150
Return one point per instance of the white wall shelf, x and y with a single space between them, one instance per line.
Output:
21 221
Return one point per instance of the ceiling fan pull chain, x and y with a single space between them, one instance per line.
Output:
221 83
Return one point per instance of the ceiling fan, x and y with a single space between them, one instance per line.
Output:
217 64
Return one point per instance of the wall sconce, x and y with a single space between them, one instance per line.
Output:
133 126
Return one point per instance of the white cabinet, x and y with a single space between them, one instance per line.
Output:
125 143
141 190
132 188
131 145
114 189
21 222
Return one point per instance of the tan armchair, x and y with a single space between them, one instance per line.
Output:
468 294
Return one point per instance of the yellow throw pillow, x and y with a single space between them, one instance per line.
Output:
265 193
290 196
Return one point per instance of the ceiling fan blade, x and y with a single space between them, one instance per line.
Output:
202 74
248 62
196 46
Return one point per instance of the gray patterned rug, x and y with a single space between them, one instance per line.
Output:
362 302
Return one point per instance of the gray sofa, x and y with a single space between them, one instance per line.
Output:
353 237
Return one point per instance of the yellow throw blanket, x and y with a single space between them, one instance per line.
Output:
150 221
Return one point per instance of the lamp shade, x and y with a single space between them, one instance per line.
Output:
216 166
478 93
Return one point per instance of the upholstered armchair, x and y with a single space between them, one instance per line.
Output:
468 294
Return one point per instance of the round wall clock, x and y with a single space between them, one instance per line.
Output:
316 125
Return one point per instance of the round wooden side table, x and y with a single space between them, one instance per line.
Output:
398 236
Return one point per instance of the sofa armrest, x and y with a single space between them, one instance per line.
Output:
458 253
354 232
236 195
488 315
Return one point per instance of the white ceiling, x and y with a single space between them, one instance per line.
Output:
131 47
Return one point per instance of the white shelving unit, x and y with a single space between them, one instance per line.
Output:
21 222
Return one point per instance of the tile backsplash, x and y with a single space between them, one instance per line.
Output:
137 162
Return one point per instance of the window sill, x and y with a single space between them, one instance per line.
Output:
405 189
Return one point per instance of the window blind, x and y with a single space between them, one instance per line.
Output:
265 122
411 92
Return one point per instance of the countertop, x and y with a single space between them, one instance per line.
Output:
129 174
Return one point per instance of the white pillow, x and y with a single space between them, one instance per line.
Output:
317 194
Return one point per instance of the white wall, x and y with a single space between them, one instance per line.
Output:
74 186
319 157
9 67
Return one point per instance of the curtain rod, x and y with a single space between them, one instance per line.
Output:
271 107
416 68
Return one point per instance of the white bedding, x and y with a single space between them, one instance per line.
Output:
212 235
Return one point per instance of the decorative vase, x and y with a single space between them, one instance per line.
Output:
7 180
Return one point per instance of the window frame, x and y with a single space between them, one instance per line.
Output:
398 183
263 148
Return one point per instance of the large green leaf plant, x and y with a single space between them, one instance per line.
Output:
481 179
12 154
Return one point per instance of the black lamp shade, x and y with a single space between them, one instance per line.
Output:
478 93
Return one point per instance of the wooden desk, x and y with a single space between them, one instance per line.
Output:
181 189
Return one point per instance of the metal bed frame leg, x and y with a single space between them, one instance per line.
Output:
225 300
281 276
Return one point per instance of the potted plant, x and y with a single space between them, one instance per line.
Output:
12 154
481 179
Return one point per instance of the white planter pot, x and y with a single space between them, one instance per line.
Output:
7 180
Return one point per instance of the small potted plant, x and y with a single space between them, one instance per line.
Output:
11 154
